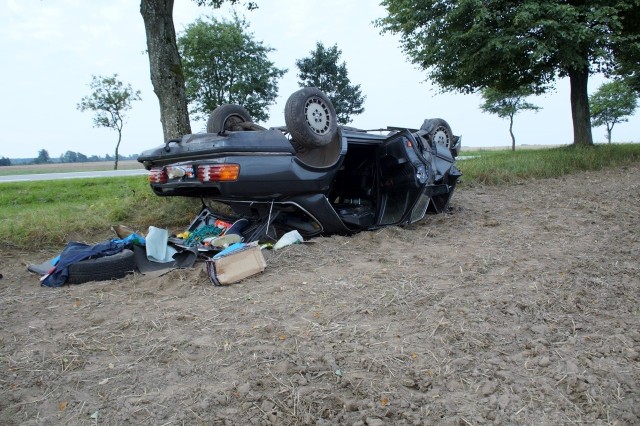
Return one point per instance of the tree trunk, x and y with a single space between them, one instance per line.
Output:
115 165
166 67
580 107
609 129
513 138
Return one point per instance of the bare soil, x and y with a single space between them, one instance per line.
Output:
521 306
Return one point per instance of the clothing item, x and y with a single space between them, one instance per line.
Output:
76 252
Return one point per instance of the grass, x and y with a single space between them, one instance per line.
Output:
51 213
508 167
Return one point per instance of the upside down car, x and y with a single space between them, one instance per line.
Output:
311 175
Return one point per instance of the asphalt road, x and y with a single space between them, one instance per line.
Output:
72 175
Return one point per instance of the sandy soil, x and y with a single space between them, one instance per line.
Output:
521 306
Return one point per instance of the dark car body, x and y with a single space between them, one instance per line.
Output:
359 181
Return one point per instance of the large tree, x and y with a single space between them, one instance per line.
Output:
611 104
224 64
166 68
627 49
109 100
467 45
322 69
165 65
506 105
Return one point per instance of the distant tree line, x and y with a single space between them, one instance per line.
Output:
68 157
78 157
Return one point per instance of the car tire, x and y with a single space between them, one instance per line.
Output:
439 131
102 268
227 117
310 118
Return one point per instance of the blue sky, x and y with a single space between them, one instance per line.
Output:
51 48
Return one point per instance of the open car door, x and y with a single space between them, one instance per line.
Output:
402 178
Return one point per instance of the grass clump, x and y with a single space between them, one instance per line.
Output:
508 167
51 213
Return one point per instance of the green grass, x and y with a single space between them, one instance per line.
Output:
507 167
51 213
48 214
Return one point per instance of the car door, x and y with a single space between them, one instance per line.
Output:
402 176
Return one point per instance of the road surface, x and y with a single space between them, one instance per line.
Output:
72 175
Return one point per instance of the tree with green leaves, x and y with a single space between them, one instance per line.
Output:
69 157
467 45
224 64
43 157
4 161
165 65
110 100
627 49
611 104
322 70
506 105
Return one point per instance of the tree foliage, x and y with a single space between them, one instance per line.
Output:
627 48
43 157
611 104
467 45
224 64
165 65
322 70
4 161
69 157
506 105
109 100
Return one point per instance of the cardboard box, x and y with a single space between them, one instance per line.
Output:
236 266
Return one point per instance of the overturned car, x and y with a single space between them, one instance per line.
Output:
311 175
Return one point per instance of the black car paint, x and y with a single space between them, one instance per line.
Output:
356 185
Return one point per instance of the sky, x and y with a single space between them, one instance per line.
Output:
51 49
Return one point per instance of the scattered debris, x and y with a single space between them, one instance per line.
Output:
218 242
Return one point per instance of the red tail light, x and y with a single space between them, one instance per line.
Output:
218 172
158 175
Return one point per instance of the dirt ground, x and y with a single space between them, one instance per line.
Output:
521 306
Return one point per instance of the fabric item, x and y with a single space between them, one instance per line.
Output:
196 237
75 252
132 239
157 246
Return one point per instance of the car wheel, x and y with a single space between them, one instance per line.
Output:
439 131
103 268
228 118
311 118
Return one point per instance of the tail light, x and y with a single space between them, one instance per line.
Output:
218 172
158 175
